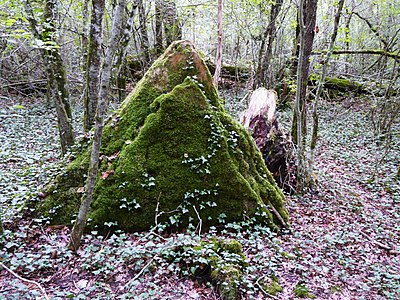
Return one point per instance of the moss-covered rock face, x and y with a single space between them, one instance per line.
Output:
172 154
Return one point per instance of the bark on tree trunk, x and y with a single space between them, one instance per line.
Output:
85 15
144 37
56 77
307 17
158 44
218 59
90 99
347 40
306 39
77 230
172 29
121 53
265 55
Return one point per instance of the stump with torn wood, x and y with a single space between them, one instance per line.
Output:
275 144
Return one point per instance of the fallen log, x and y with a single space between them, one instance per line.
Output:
394 55
231 72
339 84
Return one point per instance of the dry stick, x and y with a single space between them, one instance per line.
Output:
265 293
200 220
384 246
276 213
140 272
26 280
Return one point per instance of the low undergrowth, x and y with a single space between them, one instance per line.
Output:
343 242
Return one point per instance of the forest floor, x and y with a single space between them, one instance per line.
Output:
343 243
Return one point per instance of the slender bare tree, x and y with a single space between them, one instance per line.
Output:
307 11
114 43
265 52
218 58
144 37
55 71
90 98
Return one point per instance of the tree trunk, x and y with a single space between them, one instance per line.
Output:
347 37
55 71
144 37
321 84
77 230
85 17
218 59
121 53
172 29
93 64
158 42
264 56
307 15
306 38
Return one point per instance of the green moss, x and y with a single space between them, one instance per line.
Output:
227 278
273 288
226 267
226 263
172 147
302 291
335 289
219 261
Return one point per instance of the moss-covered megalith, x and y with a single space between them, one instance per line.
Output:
172 155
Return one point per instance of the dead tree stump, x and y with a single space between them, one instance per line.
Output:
275 144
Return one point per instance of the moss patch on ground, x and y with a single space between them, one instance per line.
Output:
218 261
171 155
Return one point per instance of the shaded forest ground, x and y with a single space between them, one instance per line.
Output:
344 241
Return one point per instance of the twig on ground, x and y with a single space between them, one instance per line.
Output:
262 290
379 244
200 220
140 272
276 213
26 280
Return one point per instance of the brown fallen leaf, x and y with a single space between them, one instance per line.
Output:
105 174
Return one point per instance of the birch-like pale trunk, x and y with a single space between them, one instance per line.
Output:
218 58
90 98
321 82
77 230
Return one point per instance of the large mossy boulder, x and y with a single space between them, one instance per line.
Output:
171 155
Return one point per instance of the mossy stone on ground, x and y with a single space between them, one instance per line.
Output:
171 155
